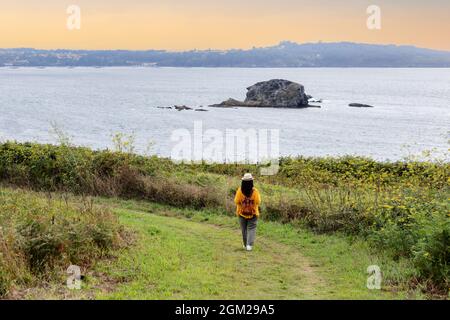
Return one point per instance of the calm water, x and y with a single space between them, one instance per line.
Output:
411 114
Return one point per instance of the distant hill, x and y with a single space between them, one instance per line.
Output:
285 54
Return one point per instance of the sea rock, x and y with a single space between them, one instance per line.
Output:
276 93
200 109
360 105
180 108
229 104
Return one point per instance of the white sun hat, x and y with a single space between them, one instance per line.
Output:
247 177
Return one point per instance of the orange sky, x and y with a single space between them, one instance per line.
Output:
202 24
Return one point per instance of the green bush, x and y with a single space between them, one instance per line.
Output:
431 255
40 238
401 207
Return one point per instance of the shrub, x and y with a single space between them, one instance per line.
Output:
431 255
41 237
400 207
416 225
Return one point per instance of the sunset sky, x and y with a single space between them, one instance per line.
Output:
219 24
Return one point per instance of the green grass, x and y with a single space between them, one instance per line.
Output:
397 209
197 254
183 254
40 237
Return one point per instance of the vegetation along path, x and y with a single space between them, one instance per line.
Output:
200 257
159 251
324 222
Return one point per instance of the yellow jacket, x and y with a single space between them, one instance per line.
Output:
255 198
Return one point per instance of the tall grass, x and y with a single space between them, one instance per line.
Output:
401 207
40 237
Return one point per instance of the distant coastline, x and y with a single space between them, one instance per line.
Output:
284 55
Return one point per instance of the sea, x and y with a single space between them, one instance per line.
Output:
410 117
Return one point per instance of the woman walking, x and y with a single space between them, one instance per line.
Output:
247 202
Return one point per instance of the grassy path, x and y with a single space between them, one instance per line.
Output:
176 258
202 258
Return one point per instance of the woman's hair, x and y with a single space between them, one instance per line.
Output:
247 187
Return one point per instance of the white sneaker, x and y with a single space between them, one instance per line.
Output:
249 248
